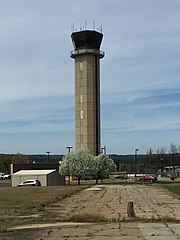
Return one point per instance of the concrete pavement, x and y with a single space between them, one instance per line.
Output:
150 203
112 231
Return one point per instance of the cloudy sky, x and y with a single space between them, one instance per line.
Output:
140 87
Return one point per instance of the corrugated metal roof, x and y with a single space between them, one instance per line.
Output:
33 172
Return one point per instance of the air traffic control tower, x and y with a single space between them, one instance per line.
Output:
87 57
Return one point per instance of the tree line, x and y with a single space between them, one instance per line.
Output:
152 160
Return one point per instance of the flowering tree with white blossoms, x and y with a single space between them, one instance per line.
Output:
105 166
79 164
64 166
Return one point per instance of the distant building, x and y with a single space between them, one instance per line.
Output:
172 170
46 177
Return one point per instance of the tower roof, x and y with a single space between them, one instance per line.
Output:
87 39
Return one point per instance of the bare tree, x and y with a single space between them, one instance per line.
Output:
178 149
148 158
173 151
161 151
173 148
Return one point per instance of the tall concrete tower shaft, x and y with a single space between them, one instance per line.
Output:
87 57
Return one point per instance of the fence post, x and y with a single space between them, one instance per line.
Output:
130 210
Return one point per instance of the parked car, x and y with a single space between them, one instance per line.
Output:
30 183
4 175
148 178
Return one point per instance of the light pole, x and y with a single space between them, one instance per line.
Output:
69 149
135 162
103 150
48 155
161 165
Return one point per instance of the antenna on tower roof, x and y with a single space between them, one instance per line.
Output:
72 27
84 27
101 28
93 25
85 24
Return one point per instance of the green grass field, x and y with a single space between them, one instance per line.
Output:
174 188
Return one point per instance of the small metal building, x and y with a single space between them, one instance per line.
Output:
46 177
